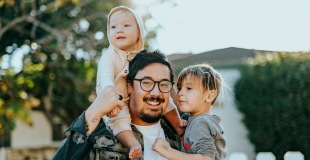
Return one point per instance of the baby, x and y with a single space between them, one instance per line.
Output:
125 33
198 88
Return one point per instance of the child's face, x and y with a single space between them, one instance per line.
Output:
124 30
190 98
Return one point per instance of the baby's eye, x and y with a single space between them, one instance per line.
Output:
127 25
189 88
112 26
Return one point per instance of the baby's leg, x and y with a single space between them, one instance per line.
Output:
172 115
130 141
122 129
174 119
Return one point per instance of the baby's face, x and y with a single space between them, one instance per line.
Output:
124 30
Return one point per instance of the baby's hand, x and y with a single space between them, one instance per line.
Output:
162 147
182 123
114 112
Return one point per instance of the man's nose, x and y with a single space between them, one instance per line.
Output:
155 91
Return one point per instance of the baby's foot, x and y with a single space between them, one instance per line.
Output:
135 151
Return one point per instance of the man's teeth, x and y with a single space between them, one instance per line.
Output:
152 103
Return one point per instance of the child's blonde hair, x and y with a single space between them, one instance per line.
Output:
204 75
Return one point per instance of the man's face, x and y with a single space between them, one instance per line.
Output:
147 107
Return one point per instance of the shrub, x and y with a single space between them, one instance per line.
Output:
273 93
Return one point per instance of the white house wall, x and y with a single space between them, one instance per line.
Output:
35 136
235 131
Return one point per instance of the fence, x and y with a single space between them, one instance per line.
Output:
27 154
268 156
47 153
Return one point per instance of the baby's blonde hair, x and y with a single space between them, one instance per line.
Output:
204 75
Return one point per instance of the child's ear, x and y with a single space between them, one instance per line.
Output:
210 96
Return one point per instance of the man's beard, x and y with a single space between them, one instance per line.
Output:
151 118
155 114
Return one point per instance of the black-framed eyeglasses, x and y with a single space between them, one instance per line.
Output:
147 85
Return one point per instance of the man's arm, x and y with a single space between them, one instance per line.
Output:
84 129
107 99
162 147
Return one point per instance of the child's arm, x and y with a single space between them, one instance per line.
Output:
105 76
109 96
162 147
173 116
177 123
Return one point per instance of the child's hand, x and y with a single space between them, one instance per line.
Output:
182 123
182 127
162 147
114 112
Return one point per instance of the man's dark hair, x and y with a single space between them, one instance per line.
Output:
144 58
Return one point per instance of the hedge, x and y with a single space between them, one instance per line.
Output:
273 93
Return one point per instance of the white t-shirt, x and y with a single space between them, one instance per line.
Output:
150 133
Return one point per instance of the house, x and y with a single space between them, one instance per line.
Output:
226 61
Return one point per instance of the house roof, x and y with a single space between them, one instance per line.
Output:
173 57
231 56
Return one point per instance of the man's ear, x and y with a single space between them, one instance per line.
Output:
210 96
129 87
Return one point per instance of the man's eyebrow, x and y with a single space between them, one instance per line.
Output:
147 77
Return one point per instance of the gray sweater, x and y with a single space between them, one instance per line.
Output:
204 135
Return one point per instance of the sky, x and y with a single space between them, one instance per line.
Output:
197 26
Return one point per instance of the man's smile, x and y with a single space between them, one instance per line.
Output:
153 103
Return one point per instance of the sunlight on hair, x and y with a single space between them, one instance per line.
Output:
208 79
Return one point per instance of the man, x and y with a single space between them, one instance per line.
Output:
149 82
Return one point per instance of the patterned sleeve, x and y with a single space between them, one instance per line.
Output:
202 138
77 146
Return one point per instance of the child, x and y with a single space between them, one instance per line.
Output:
125 33
198 88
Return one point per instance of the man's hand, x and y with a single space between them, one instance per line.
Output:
107 99
162 147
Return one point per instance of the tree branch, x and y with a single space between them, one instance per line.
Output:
34 7
17 28
65 118
12 24
33 30
22 6
47 28
46 107
88 18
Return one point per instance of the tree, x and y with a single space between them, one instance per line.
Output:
273 95
49 52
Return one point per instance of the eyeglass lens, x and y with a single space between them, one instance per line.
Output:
148 85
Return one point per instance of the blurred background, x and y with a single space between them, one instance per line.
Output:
49 51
